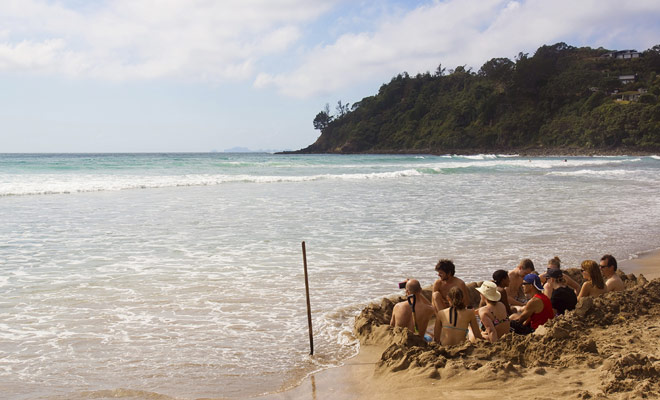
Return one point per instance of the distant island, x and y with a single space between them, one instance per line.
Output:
561 100
238 150
247 150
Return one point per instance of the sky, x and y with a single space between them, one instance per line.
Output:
211 75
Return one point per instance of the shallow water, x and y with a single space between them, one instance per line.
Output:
180 275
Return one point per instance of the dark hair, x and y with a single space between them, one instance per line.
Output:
611 261
555 262
595 276
455 297
447 266
499 276
527 264
556 274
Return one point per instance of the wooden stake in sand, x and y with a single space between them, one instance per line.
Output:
309 310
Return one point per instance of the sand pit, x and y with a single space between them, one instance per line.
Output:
606 348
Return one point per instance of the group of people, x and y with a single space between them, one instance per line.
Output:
517 301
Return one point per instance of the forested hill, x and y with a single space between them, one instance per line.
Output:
563 99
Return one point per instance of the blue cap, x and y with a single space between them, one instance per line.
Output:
534 280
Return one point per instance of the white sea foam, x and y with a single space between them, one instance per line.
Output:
56 184
609 174
479 157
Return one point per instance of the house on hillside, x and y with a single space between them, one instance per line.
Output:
625 79
629 96
623 54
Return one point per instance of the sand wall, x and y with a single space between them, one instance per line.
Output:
616 334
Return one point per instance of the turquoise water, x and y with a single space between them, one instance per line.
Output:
181 274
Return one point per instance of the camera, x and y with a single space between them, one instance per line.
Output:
402 285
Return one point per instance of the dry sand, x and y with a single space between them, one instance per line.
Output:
608 348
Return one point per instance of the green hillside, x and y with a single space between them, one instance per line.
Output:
562 98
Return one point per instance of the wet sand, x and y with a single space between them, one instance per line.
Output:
606 349
648 264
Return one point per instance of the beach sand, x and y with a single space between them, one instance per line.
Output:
606 349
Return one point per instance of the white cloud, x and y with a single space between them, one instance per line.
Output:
457 32
136 39
242 39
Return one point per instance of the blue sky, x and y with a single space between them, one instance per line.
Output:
199 75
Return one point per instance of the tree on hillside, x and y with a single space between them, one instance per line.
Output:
439 71
323 119
497 69
342 109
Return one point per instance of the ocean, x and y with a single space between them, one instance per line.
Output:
180 276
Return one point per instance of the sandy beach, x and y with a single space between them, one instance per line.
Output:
605 349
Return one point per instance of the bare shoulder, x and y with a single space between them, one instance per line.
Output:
442 315
535 303
426 306
614 284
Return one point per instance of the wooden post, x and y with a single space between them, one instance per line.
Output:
309 310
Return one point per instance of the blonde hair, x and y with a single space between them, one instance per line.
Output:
593 269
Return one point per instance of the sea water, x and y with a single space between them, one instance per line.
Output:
181 275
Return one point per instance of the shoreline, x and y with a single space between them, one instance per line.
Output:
647 264
359 376
522 152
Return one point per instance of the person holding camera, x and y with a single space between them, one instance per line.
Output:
415 313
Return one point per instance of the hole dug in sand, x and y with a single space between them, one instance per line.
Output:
606 348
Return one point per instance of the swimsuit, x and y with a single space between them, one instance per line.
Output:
453 327
453 311
562 299
495 321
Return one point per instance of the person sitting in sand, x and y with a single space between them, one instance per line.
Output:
608 268
561 296
494 318
555 263
536 312
451 324
415 313
444 283
594 284
501 280
516 275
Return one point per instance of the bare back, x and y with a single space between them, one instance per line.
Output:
402 315
455 332
615 284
